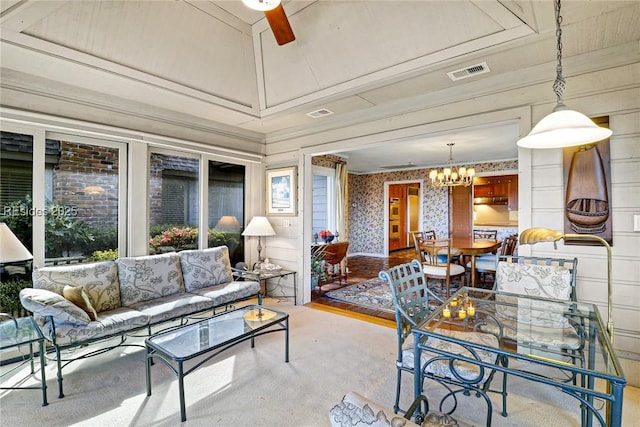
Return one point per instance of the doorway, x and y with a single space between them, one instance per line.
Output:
403 211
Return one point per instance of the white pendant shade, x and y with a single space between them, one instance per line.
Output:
261 5
11 248
564 128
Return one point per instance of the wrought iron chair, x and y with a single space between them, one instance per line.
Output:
547 332
413 303
435 255
549 278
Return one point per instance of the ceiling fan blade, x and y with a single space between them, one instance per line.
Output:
279 24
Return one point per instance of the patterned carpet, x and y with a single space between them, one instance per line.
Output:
375 293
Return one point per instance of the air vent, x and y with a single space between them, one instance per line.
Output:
319 113
469 71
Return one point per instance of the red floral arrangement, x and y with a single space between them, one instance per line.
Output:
325 233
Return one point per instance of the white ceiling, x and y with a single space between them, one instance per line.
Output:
212 71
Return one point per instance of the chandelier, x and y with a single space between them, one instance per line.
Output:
451 175
563 127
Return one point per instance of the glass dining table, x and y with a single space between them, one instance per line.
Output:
591 371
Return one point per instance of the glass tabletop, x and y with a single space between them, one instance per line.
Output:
217 331
530 326
19 332
261 274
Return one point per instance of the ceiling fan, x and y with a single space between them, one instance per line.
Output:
277 18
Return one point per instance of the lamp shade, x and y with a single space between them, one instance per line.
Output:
532 236
259 226
11 248
228 223
261 5
564 128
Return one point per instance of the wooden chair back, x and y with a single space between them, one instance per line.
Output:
491 235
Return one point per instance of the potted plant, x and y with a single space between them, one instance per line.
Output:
318 269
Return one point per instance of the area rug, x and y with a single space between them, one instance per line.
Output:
375 294
372 293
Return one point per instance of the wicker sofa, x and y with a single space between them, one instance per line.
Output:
81 304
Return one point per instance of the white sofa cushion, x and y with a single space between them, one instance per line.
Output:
149 277
202 268
42 302
98 279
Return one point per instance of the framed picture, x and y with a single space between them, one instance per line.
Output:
281 191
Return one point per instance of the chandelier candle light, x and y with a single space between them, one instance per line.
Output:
452 176
563 127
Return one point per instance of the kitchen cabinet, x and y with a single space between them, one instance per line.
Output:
501 189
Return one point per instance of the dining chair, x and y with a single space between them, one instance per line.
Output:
537 328
486 263
435 255
413 302
480 234
547 278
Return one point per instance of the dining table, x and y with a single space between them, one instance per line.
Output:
471 247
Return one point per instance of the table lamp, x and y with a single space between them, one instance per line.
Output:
11 248
259 226
228 223
532 236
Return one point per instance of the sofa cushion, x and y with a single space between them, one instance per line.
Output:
172 306
228 292
43 303
149 277
205 267
98 279
109 323
79 297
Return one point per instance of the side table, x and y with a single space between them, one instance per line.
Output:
15 333
263 276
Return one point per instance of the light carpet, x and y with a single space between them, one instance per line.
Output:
330 355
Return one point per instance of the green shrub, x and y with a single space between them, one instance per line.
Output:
10 295
105 255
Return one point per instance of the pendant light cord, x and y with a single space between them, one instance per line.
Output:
559 85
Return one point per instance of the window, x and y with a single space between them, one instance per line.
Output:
323 215
173 202
81 208
82 199
226 207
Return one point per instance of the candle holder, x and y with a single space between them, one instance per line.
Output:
460 307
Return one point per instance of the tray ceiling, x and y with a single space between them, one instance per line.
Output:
215 64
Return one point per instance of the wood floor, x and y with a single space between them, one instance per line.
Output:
362 268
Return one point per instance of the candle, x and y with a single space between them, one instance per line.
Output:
446 312
462 314
471 310
454 302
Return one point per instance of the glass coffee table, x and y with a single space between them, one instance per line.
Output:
208 338
19 332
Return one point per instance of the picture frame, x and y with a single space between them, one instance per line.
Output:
281 191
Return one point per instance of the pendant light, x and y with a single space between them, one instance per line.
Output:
563 127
